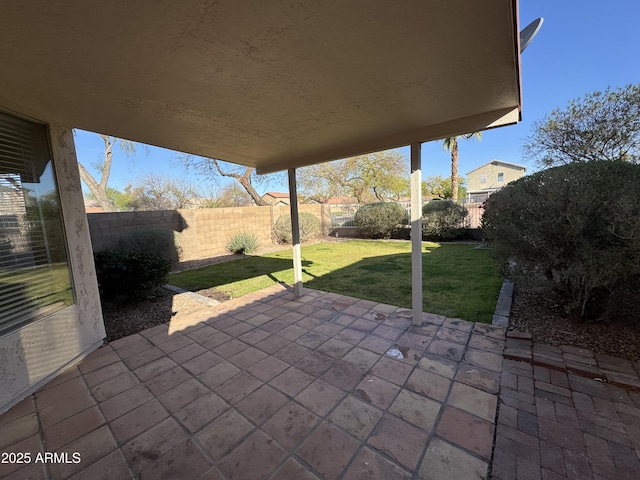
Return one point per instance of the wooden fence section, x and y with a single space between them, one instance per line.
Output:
474 220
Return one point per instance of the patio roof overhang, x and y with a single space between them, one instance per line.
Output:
272 85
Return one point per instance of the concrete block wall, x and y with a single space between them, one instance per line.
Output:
107 228
208 230
203 233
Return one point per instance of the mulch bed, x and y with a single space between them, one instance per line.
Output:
539 312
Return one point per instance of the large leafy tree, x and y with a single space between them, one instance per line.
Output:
437 186
99 188
451 144
599 126
123 201
376 176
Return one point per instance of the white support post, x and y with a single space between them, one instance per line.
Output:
295 233
416 233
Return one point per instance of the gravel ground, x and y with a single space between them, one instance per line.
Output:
127 319
539 313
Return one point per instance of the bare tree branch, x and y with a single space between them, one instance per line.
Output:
244 180
99 188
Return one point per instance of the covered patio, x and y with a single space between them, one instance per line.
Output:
276 385
268 86
270 386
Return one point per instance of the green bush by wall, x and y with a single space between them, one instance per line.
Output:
309 227
379 220
443 220
125 275
155 240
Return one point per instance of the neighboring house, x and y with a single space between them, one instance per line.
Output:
276 198
342 200
92 206
490 177
345 200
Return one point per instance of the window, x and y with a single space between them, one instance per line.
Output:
501 177
35 278
483 179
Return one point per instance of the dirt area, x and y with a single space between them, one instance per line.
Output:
126 319
539 312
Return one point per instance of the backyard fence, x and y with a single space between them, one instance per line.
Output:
200 233
204 233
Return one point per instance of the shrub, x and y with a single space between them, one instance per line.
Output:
309 226
129 275
379 220
443 220
576 227
155 240
243 242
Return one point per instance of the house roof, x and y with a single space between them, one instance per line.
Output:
267 85
277 194
344 200
498 162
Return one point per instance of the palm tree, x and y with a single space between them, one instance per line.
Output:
451 144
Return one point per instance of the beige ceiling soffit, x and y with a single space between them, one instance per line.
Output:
510 118
7 105
504 116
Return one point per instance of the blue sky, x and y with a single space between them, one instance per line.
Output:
583 46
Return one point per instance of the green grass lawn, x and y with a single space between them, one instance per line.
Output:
458 280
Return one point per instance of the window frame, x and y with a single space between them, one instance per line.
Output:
36 277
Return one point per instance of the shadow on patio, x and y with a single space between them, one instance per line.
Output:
267 386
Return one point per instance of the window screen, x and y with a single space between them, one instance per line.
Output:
35 279
501 177
483 178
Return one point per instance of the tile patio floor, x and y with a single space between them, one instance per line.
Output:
270 387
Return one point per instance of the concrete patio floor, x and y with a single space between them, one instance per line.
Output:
270 387
332 387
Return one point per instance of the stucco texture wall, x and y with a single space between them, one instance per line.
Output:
491 171
37 352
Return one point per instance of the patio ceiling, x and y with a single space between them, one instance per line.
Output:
266 84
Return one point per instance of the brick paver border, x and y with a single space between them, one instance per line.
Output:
578 361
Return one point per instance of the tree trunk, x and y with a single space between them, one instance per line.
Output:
245 181
97 190
454 169
246 184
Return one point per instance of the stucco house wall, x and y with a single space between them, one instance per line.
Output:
491 170
35 353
